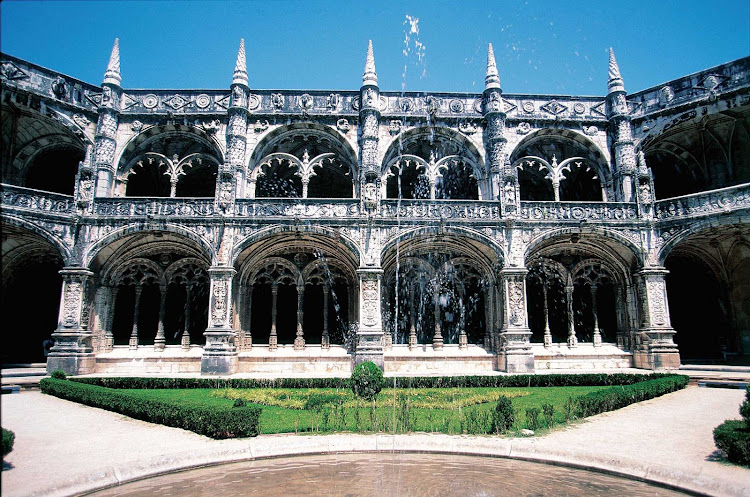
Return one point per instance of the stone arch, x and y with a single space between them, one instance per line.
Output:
186 153
66 252
581 161
92 252
697 227
282 151
437 156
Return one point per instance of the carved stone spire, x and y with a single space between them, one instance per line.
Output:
240 69
370 77
112 74
615 82
492 79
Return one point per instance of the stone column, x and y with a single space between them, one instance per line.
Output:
106 127
597 334
299 339
572 339
273 339
220 352
136 311
369 343
325 342
185 341
655 347
547 332
369 118
463 339
109 337
160 341
515 355
72 351
621 133
248 306
412 327
437 338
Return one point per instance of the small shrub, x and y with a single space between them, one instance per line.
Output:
8 438
549 414
733 437
503 416
367 380
59 374
532 418
745 407
239 403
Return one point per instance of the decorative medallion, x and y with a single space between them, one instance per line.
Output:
523 128
509 106
261 126
222 102
136 126
528 106
332 102
405 104
554 107
394 127
253 102
477 105
277 101
355 104
177 102
598 109
456 106
579 108
590 130
10 71
300 259
128 101
666 95
202 101
343 125
432 105
150 101
467 128
93 98
305 101
80 120
383 103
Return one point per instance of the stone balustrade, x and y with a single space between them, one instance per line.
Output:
440 209
578 211
306 208
156 207
36 200
724 200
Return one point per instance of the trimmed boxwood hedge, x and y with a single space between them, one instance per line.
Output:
624 395
543 380
215 422
8 438
733 437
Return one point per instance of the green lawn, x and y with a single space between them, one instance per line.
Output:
447 410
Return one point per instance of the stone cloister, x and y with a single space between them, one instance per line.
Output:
300 232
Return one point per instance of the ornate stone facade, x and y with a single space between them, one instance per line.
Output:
303 231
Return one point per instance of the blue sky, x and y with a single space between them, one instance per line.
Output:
555 47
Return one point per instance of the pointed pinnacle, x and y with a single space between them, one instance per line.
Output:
370 77
112 74
615 82
240 68
491 79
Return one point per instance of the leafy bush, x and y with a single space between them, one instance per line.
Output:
212 421
239 403
8 438
549 414
615 398
733 437
532 418
544 380
367 380
503 416
59 374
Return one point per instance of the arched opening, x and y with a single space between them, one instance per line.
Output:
560 165
432 163
31 286
54 170
303 161
169 161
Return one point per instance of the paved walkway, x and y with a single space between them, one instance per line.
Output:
63 448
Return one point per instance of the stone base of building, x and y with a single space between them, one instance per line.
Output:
656 359
146 360
313 361
369 348
219 364
515 362
451 360
584 357
71 363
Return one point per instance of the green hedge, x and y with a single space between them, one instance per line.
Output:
733 437
543 380
215 422
8 438
615 398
